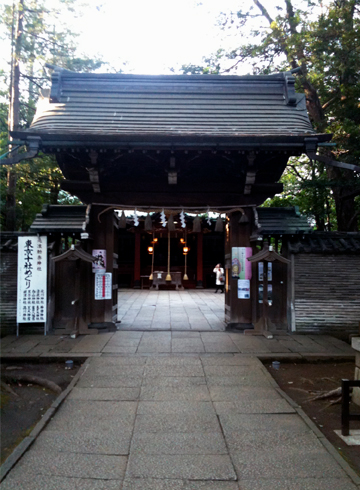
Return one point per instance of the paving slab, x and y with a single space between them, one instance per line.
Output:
114 370
194 467
66 345
72 465
229 360
104 394
126 348
254 406
111 381
245 380
175 408
237 370
43 482
281 462
185 335
244 440
154 347
90 441
192 345
174 370
197 393
157 484
92 343
20 347
263 422
152 484
233 393
183 423
127 360
179 443
220 347
298 484
173 381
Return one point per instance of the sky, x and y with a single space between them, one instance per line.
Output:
152 37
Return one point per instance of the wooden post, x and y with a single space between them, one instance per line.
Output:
199 267
137 265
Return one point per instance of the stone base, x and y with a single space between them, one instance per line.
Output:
103 326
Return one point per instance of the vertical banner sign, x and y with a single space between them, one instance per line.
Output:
103 286
240 266
32 279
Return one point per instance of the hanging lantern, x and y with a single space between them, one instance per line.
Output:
186 250
122 220
219 226
155 240
168 275
182 240
197 225
148 223
171 224
150 250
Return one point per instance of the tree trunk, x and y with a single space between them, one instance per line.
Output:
14 117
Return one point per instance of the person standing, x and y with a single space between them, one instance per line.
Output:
220 278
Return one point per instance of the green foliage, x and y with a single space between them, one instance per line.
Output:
323 41
45 39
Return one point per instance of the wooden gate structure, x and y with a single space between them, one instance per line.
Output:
171 144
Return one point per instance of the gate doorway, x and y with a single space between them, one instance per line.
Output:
189 310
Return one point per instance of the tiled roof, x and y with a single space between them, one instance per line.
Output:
326 243
60 218
282 221
173 105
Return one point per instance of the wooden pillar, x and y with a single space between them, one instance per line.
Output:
199 267
103 233
238 312
137 265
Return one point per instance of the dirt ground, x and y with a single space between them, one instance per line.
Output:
19 414
302 381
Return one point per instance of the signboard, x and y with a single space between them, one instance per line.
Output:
240 266
103 286
99 265
243 289
261 294
32 279
261 271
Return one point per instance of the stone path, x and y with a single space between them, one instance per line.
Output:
178 422
175 342
192 309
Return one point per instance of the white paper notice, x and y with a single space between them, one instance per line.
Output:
32 277
243 289
103 285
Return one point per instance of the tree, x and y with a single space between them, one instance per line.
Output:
322 42
37 35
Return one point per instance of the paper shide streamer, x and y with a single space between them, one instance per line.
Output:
163 218
136 219
182 219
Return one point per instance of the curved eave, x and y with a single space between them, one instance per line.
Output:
55 140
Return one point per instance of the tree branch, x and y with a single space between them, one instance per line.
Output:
263 11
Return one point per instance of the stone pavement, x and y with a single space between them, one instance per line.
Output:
192 309
178 422
175 342
175 409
